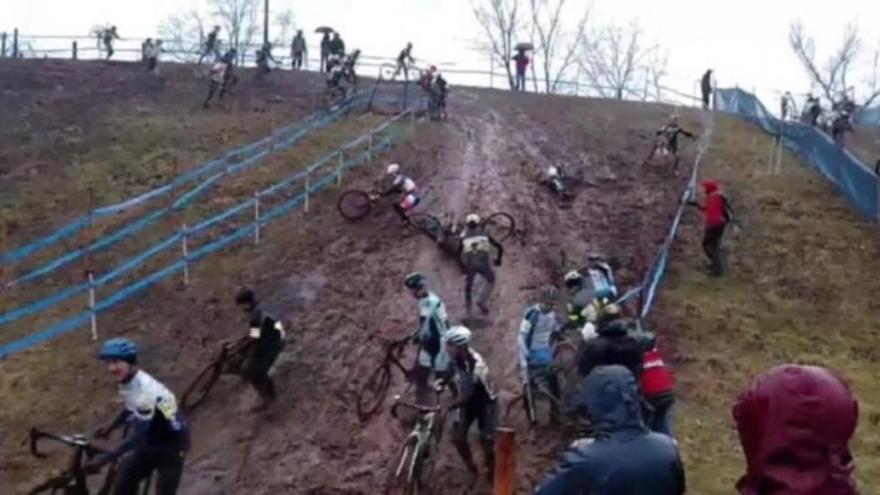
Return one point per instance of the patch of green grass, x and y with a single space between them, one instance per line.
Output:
800 287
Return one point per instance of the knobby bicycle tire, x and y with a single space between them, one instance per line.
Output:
354 205
427 224
565 356
400 480
372 394
500 226
199 389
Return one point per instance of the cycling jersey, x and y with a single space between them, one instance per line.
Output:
473 380
536 333
402 183
602 277
267 330
218 72
152 408
475 241
432 327
576 305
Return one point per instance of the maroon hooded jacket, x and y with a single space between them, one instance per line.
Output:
795 423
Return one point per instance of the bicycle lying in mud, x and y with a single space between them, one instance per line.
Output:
372 394
228 361
72 481
412 471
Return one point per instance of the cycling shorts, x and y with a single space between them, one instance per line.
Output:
409 201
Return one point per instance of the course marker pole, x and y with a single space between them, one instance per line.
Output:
257 218
92 316
505 461
184 246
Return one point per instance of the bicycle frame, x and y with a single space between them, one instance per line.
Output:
428 426
73 479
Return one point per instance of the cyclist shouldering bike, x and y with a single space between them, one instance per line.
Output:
268 335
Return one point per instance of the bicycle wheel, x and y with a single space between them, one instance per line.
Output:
372 394
565 356
500 226
400 480
423 472
427 224
354 205
199 389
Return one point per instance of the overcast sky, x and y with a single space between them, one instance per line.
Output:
745 41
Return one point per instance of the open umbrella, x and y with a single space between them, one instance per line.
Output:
324 29
521 47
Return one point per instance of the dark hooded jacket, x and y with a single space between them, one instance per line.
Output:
795 423
616 344
624 457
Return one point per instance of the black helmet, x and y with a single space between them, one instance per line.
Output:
415 280
549 294
245 296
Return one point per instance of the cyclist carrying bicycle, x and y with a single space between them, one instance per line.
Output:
476 243
476 400
157 437
433 324
401 183
537 334
596 281
268 335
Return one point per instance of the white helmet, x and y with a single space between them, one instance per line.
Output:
472 219
573 275
393 169
553 172
458 335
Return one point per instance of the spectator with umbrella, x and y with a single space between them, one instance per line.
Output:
522 63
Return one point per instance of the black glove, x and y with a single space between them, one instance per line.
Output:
498 262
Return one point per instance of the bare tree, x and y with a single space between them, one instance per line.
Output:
872 81
556 47
240 21
183 35
284 22
619 64
501 22
832 76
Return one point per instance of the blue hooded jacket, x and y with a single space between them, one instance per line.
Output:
624 457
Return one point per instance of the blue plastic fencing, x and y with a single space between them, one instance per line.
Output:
230 162
853 179
83 317
868 117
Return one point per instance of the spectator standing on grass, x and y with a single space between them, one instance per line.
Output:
325 51
211 46
787 106
337 46
795 423
706 86
108 36
298 50
717 213
522 63
153 53
623 456
145 49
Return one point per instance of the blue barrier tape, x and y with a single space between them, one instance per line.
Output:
43 304
138 260
79 319
206 224
310 123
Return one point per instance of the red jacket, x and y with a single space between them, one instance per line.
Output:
657 379
716 204
522 61
795 423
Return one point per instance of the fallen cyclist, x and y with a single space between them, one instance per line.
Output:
268 335
157 438
476 400
554 179
400 183
538 332
595 282
476 259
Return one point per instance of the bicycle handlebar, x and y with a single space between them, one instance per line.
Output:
73 441
417 407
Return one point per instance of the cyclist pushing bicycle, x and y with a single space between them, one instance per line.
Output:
158 437
268 335
433 324
538 333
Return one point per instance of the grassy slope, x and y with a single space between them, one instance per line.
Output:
801 288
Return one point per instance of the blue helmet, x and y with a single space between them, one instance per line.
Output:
119 348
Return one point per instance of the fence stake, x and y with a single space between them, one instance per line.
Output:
339 168
257 218
412 120
15 43
505 461
74 50
370 147
308 186
184 245
3 44
93 316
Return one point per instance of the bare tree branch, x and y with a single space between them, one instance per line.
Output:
832 77
618 64
501 24
556 48
183 35
239 20
873 79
